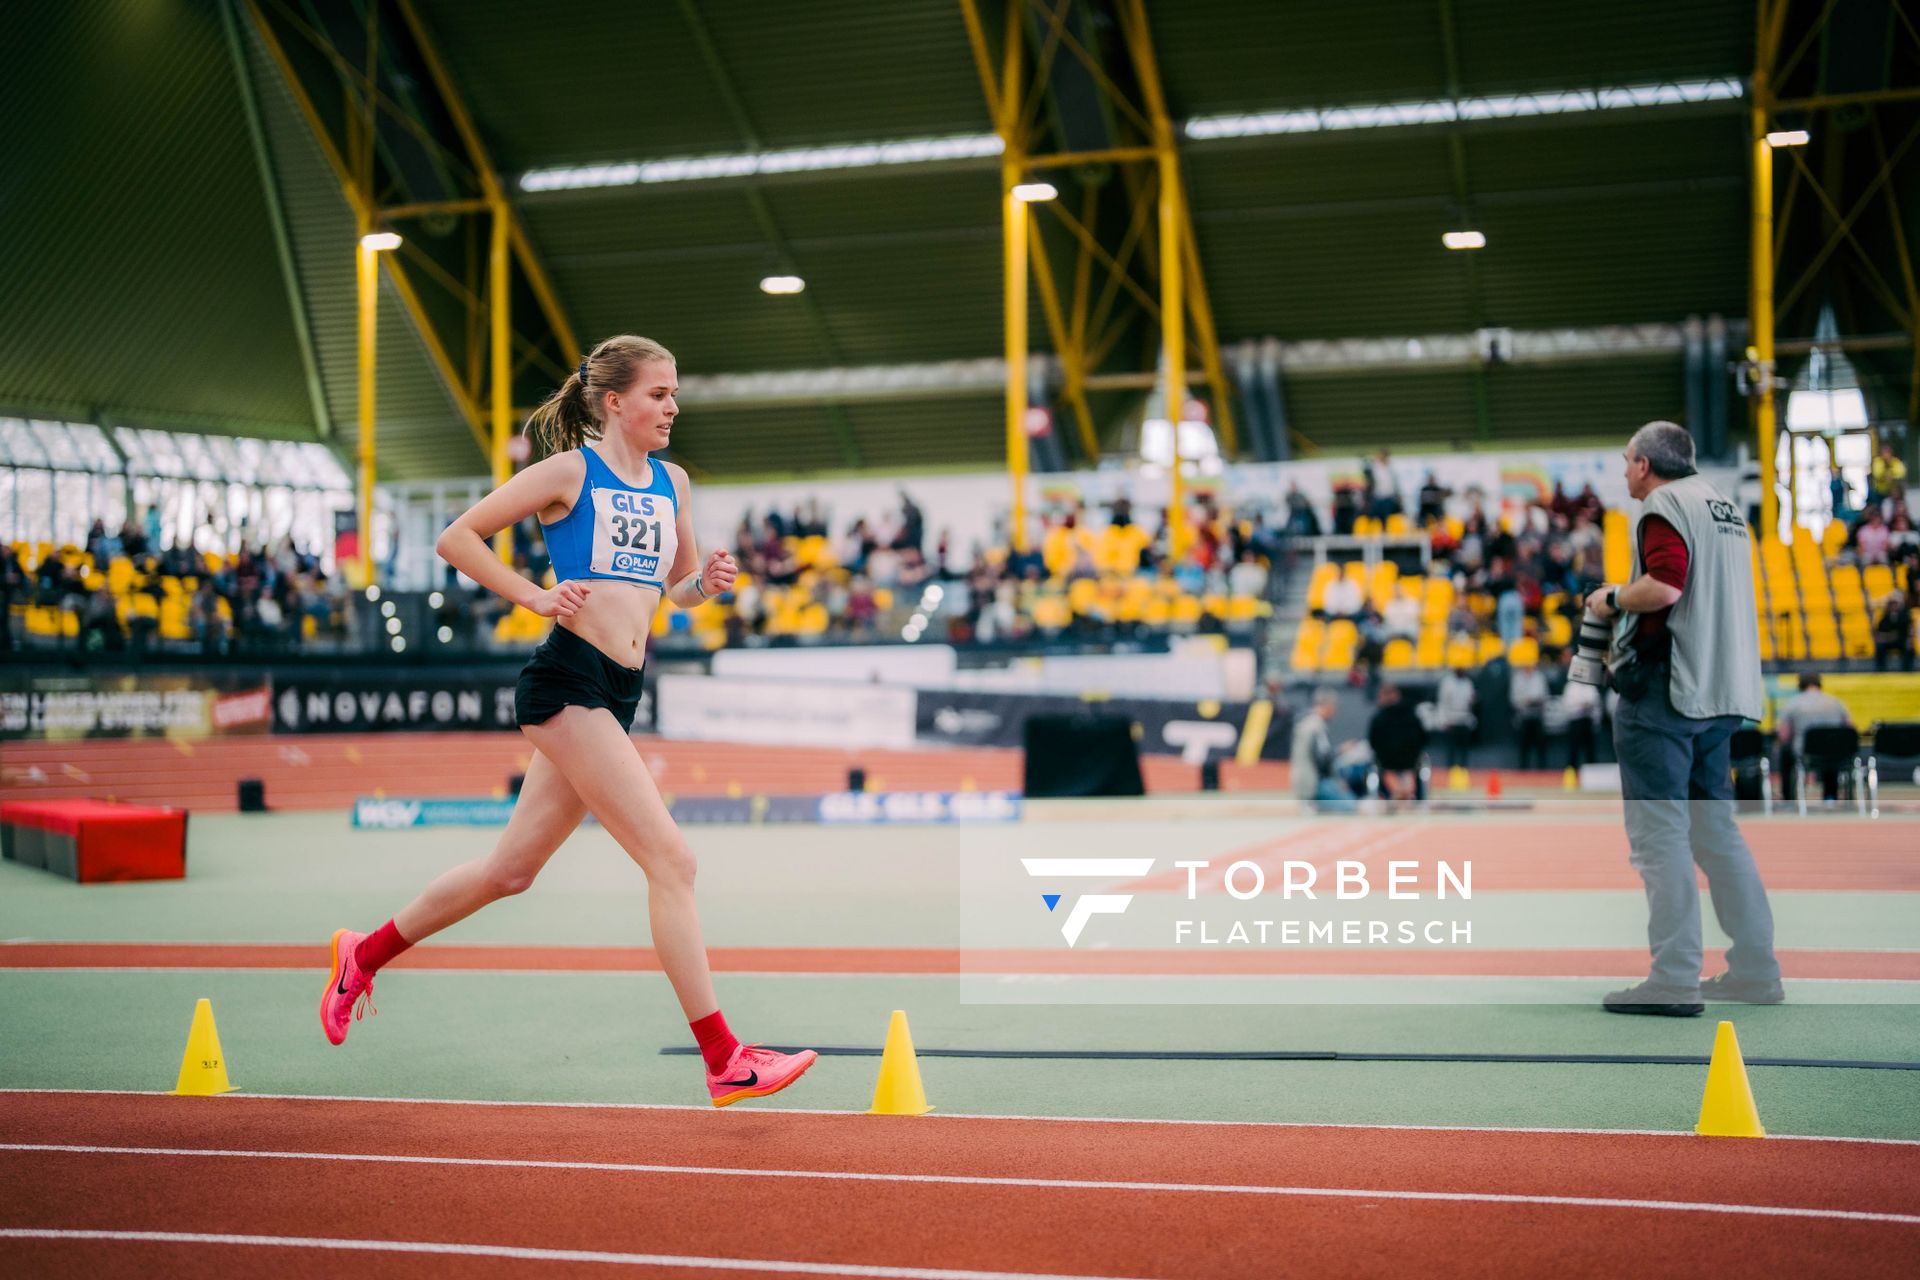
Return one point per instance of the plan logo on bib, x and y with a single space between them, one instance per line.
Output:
1089 905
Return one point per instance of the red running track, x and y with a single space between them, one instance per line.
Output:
1883 966
1006 1197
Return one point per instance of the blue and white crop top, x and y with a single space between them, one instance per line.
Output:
615 530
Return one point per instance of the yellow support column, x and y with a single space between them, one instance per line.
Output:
1014 215
367 278
1765 425
1173 329
498 267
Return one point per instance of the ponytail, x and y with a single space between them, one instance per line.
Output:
570 416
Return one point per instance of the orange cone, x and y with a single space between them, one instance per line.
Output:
1493 784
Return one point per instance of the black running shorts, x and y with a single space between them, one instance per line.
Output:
566 671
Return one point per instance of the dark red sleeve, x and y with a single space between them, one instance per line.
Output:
1663 552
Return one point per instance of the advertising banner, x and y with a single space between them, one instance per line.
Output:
426 704
1195 731
131 706
783 712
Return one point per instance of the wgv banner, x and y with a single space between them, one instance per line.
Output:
918 808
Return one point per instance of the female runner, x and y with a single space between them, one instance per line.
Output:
621 536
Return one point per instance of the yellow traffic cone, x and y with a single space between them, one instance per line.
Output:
1726 1108
203 1069
1457 779
898 1091
1570 780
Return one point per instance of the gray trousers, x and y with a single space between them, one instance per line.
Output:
1678 784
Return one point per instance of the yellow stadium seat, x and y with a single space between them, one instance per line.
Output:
1357 570
1398 655
1439 600
1460 652
1490 647
1559 630
1323 576
1824 648
1616 546
1396 523
1525 652
1307 644
1877 581
1834 538
1186 610
1432 648
1365 526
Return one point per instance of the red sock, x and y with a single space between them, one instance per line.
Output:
378 947
716 1042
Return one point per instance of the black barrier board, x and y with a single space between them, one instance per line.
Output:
1205 729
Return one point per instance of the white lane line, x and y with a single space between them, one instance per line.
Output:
723 1114
974 1180
760 1266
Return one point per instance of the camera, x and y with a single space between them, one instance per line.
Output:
1589 665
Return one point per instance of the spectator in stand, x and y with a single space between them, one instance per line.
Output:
153 527
1462 621
1893 633
1871 537
863 611
1887 474
1509 610
1453 715
1311 760
1812 708
1839 500
13 586
1402 616
1433 500
1343 598
1588 504
1398 739
1346 508
1302 520
203 616
913 524
100 622
1383 488
1248 577
1527 692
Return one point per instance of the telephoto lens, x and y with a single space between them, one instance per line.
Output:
1589 665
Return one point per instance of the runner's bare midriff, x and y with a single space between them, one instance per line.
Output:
615 619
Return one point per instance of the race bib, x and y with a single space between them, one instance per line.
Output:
633 535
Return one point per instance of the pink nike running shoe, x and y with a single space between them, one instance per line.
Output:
754 1072
346 983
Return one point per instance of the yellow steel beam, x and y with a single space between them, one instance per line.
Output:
1069 356
1106 155
1083 271
367 296
1203 332
982 61
1107 260
1186 253
1907 278
363 211
422 209
491 186
1760 259
1843 230
1173 339
499 280
1014 285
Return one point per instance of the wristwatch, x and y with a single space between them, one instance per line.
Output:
1613 599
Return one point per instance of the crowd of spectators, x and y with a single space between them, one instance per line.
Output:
1084 573
125 590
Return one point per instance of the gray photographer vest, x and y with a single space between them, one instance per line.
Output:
1715 632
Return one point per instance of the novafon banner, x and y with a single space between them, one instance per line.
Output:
426 704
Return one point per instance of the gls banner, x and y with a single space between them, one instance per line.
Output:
1194 730
418 705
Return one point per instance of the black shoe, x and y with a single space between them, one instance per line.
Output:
1659 1002
1728 987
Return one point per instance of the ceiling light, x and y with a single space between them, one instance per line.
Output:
1388 115
1464 240
378 240
856 155
1029 192
782 284
1789 138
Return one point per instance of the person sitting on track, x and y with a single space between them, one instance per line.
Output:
619 545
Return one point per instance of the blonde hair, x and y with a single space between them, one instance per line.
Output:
570 416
